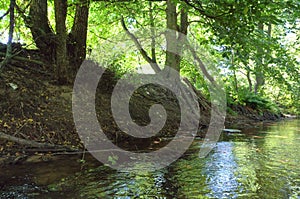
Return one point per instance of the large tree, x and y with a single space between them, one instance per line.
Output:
66 50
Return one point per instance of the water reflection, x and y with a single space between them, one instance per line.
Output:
268 164
261 163
220 170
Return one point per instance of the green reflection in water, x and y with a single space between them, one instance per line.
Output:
268 164
260 163
263 163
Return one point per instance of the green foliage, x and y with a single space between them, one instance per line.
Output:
254 101
189 71
113 159
227 32
231 112
120 67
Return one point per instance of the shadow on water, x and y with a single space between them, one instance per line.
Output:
260 162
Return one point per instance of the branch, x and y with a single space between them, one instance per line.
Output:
152 62
18 58
196 21
201 64
202 11
6 13
22 12
34 144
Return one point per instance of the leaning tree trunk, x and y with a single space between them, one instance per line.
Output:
78 36
41 32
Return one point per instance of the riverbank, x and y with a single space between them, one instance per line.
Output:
36 114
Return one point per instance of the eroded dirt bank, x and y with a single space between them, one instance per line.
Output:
34 108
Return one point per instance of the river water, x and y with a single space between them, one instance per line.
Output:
260 162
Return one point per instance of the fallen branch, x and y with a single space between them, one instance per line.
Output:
34 144
19 58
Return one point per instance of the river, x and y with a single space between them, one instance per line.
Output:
260 162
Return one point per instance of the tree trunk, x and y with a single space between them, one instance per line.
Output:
8 55
259 75
153 40
67 52
78 36
234 72
175 41
41 32
172 58
61 65
270 29
249 80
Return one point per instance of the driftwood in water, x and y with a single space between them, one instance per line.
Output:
34 144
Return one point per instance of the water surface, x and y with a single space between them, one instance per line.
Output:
260 162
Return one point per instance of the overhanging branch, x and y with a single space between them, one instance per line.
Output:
152 62
201 10
201 64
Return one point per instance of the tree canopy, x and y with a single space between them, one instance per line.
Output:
254 44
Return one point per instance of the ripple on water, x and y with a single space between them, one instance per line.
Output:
263 163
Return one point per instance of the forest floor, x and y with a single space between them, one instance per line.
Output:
35 109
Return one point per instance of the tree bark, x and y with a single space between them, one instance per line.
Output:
249 80
41 32
259 75
61 65
172 54
153 40
8 55
234 70
67 52
78 36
